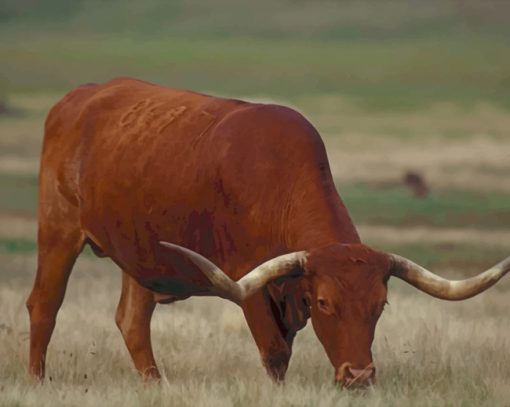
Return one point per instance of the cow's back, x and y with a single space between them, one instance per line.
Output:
146 163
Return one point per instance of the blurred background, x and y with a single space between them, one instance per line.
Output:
411 97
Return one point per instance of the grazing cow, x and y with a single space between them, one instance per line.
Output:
197 195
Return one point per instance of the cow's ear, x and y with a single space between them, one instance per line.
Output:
293 275
384 266
308 270
386 278
307 298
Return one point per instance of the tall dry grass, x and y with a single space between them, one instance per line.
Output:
427 352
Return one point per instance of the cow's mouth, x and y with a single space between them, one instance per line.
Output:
352 378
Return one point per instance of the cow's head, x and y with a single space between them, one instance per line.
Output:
345 289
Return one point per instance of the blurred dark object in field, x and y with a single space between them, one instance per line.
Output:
3 107
7 109
416 184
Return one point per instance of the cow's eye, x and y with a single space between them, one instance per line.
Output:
324 306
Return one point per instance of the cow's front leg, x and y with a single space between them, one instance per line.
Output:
275 350
133 318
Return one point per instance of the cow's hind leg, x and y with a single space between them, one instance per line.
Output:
133 318
58 247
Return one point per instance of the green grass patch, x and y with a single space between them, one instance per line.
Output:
373 74
24 246
18 194
16 246
395 205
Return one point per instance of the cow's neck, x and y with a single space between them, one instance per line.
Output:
319 218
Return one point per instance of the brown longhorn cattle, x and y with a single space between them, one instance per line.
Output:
151 176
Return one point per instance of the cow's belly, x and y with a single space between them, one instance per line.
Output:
130 235
133 242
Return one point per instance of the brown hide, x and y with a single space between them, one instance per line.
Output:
238 182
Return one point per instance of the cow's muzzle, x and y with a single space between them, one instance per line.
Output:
353 378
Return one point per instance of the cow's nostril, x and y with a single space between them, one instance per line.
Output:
368 372
355 378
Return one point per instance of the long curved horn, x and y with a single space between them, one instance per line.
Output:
453 290
225 287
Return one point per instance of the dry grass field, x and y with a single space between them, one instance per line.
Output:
427 352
